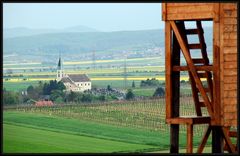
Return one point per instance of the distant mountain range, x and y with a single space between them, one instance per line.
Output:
81 40
23 31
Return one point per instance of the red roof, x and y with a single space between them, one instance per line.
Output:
44 103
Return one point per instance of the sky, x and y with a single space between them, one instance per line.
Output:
100 16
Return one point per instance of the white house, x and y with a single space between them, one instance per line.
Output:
73 82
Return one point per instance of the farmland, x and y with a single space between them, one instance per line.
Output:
137 124
115 126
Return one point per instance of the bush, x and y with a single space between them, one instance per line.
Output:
159 92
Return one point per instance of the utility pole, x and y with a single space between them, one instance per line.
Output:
93 60
125 71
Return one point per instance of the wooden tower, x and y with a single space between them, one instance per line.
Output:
219 94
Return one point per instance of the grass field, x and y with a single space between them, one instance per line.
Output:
139 125
19 139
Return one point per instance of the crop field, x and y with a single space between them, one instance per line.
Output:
135 126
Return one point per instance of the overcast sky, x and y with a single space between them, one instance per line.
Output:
100 16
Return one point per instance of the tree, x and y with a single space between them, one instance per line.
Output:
86 98
109 88
102 98
129 95
55 94
133 84
159 92
10 98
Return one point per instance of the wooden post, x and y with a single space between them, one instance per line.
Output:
189 138
175 88
217 139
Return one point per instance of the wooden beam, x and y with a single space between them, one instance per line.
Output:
189 120
189 138
198 68
168 65
175 80
204 139
164 11
227 140
217 139
192 68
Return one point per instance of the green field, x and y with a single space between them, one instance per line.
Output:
19 139
137 126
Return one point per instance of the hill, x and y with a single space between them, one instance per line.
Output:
84 43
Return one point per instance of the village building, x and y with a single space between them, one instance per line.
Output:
73 82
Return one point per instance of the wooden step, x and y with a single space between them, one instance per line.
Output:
198 68
191 31
194 46
198 60
202 75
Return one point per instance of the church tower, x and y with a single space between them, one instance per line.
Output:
60 72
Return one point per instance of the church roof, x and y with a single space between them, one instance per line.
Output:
66 79
79 77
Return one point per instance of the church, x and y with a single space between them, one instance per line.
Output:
73 82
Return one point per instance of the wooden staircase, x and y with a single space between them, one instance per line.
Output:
200 74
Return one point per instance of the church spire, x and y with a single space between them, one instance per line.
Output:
60 73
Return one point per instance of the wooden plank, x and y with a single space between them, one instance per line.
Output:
230 50
229 13
230 87
164 11
230 43
198 68
231 35
198 60
204 140
191 67
189 9
216 10
230 93
189 138
230 72
194 46
175 95
217 59
188 4
230 79
229 57
227 28
174 138
229 113
227 140
168 65
189 120
230 101
232 64
195 16
229 6
230 20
